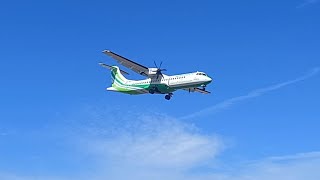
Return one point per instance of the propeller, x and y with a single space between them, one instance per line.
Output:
159 70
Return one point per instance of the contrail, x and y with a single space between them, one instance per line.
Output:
307 2
255 93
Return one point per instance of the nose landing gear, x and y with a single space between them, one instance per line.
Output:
203 87
168 96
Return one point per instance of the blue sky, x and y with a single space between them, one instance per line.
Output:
261 120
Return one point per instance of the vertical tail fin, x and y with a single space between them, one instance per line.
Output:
116 75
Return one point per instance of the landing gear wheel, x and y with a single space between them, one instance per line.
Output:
168 96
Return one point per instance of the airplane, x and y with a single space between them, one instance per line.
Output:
156 82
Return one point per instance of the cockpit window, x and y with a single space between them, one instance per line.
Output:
203 74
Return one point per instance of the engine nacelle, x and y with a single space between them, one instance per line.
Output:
153 71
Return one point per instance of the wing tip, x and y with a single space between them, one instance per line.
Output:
104 65
106 51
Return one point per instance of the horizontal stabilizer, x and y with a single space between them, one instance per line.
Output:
202 91
197 90
111 89
110 67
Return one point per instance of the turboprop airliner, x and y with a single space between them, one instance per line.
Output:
156 82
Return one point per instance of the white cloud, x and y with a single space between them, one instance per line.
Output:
305 166
149 147
157 142
158 147
292 167
255 93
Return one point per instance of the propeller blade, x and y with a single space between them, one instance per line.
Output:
159 69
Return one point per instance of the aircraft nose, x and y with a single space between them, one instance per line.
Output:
209 80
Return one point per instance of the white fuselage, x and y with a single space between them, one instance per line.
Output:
176 81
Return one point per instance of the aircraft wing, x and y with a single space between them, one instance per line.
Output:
197 90
201 91
138 68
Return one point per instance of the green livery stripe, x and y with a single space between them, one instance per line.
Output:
119 83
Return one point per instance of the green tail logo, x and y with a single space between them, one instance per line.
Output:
117 77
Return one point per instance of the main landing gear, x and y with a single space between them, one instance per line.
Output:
168 96
153 90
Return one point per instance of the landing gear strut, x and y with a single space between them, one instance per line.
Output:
168 96
151 91
203 87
